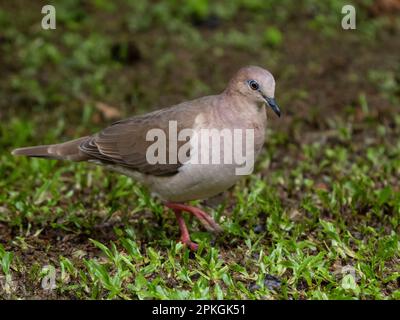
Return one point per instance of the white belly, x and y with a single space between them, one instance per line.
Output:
194 182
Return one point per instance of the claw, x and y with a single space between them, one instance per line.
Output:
193 246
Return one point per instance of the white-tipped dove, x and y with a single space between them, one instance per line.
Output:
133 148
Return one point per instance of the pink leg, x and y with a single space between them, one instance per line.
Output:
203 217
185 237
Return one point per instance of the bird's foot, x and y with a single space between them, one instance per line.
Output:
203 217
185 237
193 246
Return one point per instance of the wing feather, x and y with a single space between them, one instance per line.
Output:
124 142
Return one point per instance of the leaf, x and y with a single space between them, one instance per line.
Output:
349 283
108 111
219 294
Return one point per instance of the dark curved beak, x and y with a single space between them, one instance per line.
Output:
273 105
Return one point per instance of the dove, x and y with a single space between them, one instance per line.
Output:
157 149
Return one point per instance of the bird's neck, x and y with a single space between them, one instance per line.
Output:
239 108
235 111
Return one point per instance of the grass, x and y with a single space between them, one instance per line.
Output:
319 218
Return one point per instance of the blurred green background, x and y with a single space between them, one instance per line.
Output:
325 194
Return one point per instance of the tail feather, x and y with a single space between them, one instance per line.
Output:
64 151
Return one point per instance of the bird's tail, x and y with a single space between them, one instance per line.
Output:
64 151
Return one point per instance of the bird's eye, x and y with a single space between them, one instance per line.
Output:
254 85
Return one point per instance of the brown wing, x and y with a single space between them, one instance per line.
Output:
124 142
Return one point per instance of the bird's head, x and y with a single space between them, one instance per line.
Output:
257 85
